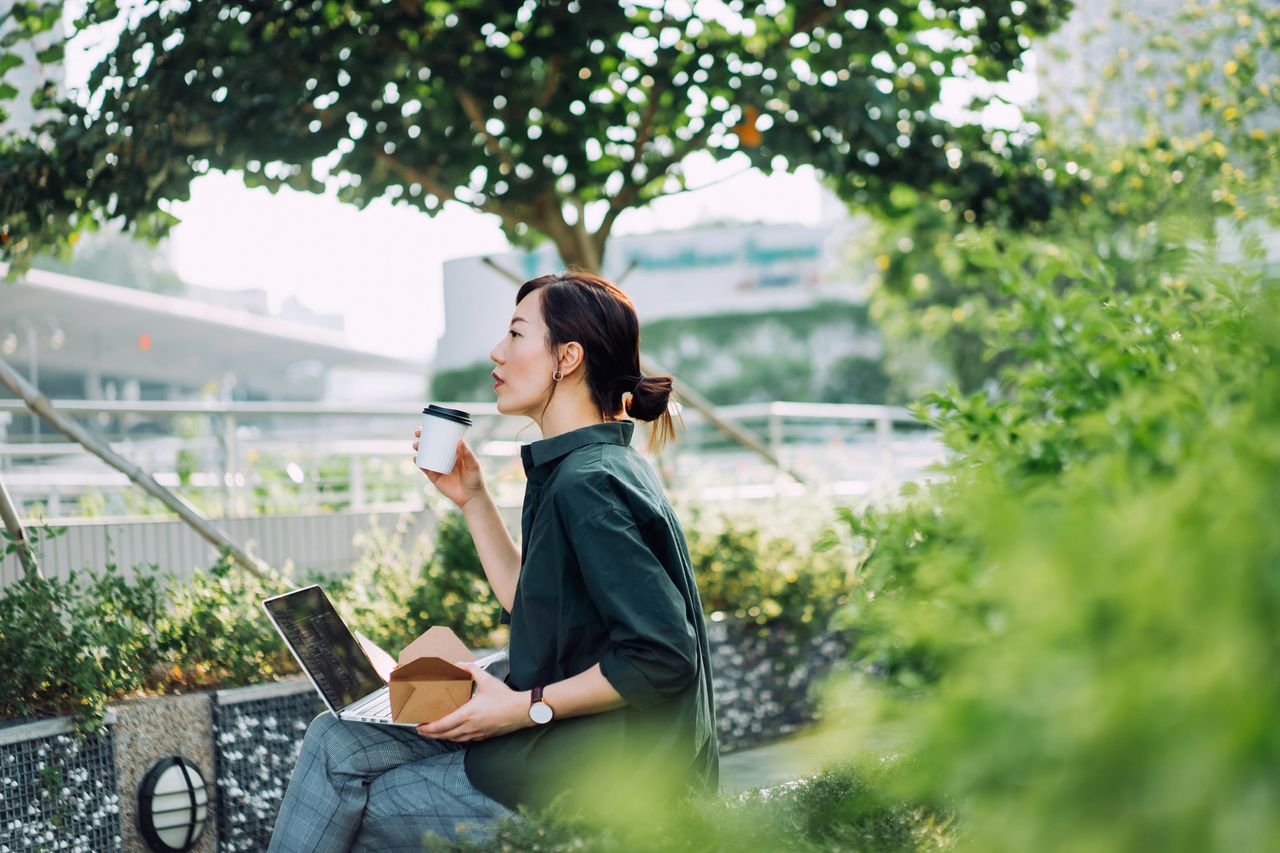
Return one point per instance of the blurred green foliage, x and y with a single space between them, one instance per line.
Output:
1177 132
401 586
1075 631
842 808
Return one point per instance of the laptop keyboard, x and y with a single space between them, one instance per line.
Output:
375 706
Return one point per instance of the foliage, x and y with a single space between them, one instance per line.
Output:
472 382
69 646
1075 630
398 589
1177 129
772 580
555 117
454 590
214 632
1089 652
858 379
840 809
72 647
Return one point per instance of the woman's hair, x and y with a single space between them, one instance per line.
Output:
579 306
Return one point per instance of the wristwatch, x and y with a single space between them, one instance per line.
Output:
540 712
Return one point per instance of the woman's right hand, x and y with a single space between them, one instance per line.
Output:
465 482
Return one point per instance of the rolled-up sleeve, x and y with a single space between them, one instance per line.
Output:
652 653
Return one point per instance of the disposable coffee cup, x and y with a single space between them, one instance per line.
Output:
438 444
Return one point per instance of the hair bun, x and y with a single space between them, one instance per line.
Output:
649 400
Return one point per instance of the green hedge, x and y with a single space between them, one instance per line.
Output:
75 645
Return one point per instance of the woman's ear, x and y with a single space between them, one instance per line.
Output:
571 356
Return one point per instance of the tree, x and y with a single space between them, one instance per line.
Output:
556 117
1177 136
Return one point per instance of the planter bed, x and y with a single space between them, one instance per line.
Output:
245 741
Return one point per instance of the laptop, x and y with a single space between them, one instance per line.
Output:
348 670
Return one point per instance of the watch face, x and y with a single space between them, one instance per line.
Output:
540 712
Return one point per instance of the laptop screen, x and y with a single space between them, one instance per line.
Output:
324 645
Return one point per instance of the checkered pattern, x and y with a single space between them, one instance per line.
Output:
360 786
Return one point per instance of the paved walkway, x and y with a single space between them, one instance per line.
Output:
775 763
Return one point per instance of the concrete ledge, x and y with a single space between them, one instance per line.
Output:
11 733
270 690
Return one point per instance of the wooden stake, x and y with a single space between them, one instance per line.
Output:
13 524
40 405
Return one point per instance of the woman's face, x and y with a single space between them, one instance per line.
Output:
524 363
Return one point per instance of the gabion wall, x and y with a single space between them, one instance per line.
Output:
256 744
59 793
761 681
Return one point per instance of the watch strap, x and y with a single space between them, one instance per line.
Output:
535 695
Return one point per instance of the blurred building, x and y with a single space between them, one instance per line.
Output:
81 339
709 271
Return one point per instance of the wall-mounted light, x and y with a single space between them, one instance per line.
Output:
173 805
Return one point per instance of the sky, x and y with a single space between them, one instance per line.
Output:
381 267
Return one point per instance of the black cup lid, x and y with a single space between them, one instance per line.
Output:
456 415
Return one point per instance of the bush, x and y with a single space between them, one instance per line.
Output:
745 572
73 647
840 809
1093 660
398 589
69 646
215 633
1076 629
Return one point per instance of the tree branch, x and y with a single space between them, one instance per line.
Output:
491 144
630 190
433 185
552 82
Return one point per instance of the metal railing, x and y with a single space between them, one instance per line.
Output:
261 458
298 479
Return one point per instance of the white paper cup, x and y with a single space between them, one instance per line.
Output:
438 444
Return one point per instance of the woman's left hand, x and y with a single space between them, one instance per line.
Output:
494 709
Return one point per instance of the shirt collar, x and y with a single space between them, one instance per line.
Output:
539 453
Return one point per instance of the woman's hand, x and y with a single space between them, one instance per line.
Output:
461 484
495 709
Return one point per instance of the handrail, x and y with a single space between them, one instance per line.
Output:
843 411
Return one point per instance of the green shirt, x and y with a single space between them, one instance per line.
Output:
605 577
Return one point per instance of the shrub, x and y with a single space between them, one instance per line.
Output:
840 809
745 572
1077 628
69 646
215 633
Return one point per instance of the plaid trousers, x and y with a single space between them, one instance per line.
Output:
362 786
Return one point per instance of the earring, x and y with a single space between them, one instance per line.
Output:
557 376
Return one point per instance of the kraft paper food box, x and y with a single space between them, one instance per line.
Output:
424 683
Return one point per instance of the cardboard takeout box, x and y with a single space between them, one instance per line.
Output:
424 683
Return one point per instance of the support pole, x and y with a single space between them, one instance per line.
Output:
40 405
690 396
13 524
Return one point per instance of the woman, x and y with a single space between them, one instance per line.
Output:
609 682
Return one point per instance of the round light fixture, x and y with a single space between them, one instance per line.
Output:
173 805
